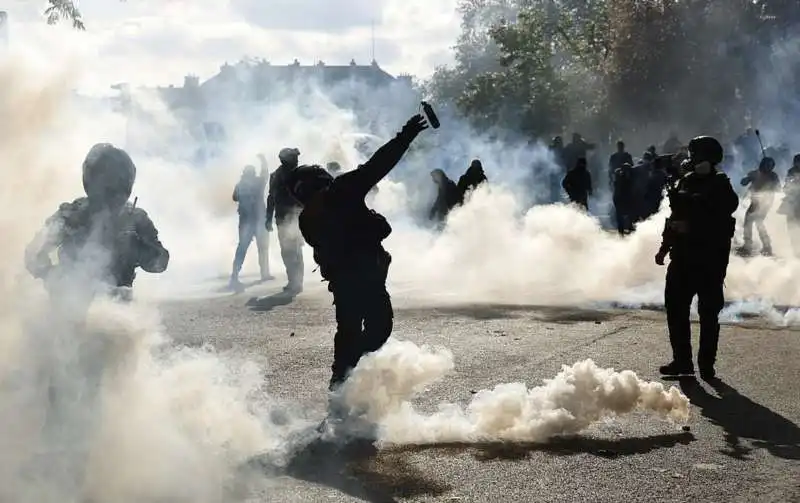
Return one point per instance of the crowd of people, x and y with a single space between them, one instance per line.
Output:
327 209
638 186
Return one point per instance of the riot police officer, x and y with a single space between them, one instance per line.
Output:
101 240
697 236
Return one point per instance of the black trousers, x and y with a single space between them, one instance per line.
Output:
364 315
624 216
684 281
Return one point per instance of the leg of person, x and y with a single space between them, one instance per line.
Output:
284 242
262 242
678 294
620 216
378 312
348 301
291 243
763 235
747 246
710 301
245 237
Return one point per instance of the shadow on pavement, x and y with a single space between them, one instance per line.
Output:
567 446
270 302
358 469
239 288
741 417
553 314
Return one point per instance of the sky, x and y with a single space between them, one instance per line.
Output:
158 42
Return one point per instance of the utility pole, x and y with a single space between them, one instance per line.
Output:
373 41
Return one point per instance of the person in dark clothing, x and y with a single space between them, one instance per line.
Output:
617 160
447 197
697 236
285 208
100 238
656 182
347 240
764 183
790 206
577 149
578 184
249 194
624 198
470 180
100 241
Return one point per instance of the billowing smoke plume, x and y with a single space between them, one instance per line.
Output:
384 383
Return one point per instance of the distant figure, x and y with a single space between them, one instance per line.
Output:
578 149
578 184
656 183
285 209
470 180
447 197
697 236
624 198
790 206
764 183
617 160
249 193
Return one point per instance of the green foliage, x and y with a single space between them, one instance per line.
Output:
58 10
613 66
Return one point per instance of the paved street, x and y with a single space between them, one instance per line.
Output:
744 443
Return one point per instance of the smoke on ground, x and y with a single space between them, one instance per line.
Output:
384 384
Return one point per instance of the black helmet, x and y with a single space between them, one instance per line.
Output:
108 174
305 181
289 155
766 164
705 149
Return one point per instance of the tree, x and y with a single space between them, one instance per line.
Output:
620 66
58 10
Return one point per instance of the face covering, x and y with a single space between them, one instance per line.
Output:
703 168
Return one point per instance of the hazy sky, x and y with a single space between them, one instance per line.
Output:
160 41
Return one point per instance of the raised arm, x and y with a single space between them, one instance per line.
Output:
362 179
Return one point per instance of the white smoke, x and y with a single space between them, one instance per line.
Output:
384 383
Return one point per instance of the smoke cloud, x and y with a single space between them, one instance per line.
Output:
383 384
180 420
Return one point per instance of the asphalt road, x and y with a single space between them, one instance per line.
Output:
744 443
